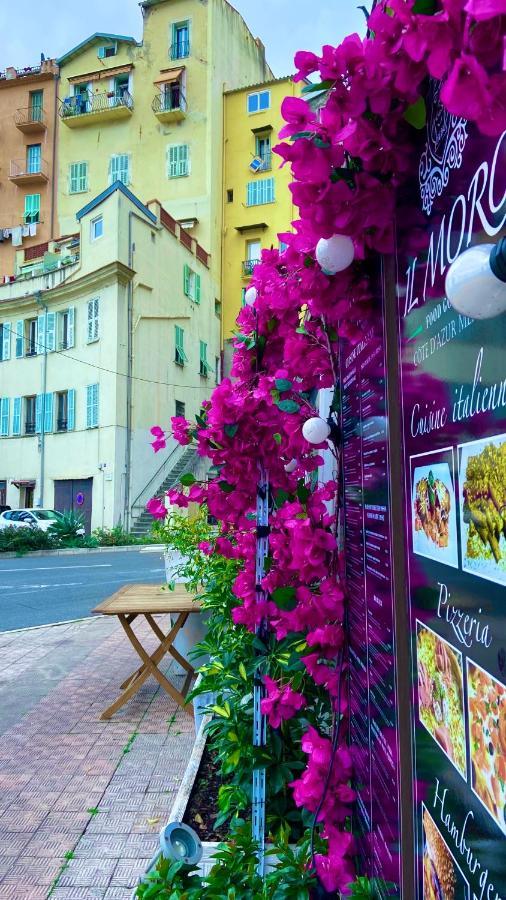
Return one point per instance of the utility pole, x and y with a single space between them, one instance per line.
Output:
259 720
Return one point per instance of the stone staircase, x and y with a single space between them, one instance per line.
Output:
185 462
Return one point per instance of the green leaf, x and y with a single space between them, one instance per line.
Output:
226 487
301 134
277 437
322 86
303 492
319 143
416 114
284 598
283 384
188 479
301 330
288 406
231 430
424 7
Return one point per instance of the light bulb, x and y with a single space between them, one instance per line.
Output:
250 296
291 466
335 254
315 430
476 282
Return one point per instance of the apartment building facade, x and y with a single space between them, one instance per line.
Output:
257 204
27 159
113 332
151 113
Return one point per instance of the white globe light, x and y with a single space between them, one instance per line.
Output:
476 282
335 254
315 430
250 296
291 466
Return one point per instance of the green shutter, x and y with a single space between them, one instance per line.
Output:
186 280
197 289
180 355
71 410
32 208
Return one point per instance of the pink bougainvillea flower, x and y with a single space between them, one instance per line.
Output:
156 507
159 442
485 9
466 91
281 702
299 115
306 63
181 429
206 547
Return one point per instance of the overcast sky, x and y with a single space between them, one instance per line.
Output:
29 27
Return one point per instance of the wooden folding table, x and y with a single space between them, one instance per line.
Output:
149 600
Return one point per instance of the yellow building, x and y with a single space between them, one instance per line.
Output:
151 113
257 201
113 331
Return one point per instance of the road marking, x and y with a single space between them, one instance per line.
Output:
52 568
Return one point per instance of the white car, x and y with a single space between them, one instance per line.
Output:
32 518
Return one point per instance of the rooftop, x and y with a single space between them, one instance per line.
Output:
98 35
261 84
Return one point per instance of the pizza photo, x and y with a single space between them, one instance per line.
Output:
487 740
441 694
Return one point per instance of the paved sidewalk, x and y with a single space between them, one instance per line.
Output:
76 791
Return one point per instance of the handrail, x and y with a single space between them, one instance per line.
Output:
87 104
166 102
30 115
156 475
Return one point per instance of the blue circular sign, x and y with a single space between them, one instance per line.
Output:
80 498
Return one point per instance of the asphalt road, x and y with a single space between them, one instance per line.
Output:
42 590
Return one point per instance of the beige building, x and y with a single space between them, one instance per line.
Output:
27 160
113 331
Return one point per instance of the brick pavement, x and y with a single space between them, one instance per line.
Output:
67 786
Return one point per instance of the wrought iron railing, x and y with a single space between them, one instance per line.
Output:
169 101
61 425
248 265
266 161
180 50
87 104
30 115
29 427
21 167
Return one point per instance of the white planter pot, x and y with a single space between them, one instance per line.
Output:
195 628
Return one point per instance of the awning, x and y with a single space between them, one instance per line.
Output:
101 74
241 228
169 75
21 484
262 129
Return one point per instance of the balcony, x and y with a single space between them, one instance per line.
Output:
247 267
29 427
30 120
264 162
90 109
180 50
62 425
170 106
29 172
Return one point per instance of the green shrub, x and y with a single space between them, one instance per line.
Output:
66 528
22 540
115 537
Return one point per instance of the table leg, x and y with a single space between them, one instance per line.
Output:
172 650
157 655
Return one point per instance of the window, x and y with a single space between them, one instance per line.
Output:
178 160
230 196
121 85
45 333
263 150
4 416
92 406
119 168
33 158
204 368
259 101
180 46
96 228
30 404
31 337
260 191
180 357
36 105
217 308
191 284
172 96
32 209
78 177
65 410
65 328
253 256
5 341
93 327
180 408
107 50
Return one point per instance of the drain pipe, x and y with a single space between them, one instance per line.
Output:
128 447
42 437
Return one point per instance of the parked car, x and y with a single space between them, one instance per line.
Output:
32 518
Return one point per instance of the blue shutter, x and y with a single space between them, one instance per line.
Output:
51 331
95 405
70 326
16 416
38 413
4 416
252 192
48 412
20 338
41 333
6 340
71 410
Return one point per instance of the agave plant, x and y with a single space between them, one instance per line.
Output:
68 526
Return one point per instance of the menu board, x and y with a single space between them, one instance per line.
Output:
373 700
453 399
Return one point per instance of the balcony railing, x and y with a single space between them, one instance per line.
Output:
29 427
25 171
173 101
88 104
248 265
266 161
180 50
61 425
30 119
